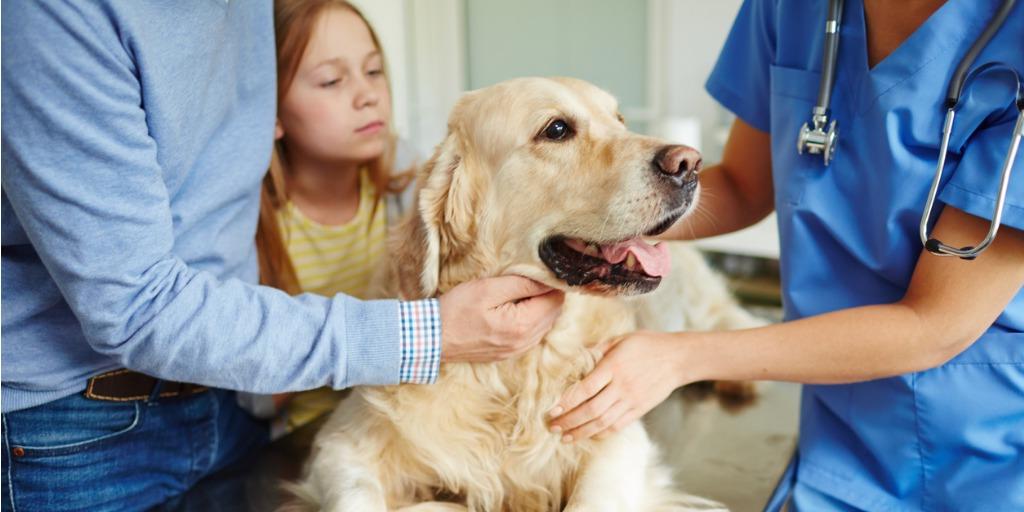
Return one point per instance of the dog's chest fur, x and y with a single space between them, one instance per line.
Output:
494 416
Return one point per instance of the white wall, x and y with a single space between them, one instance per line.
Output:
437 50
691 34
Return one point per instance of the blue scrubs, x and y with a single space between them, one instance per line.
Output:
950 438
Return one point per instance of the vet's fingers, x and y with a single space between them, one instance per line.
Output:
587 412
620 424
579 396
511 289
599 426
602 348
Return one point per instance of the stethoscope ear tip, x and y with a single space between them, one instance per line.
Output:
935 247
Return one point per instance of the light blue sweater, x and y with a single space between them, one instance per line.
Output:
135 136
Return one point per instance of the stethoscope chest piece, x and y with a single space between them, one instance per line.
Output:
818 140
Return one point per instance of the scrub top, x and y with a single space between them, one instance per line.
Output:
950 438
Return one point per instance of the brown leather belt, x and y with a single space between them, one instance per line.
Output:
126 385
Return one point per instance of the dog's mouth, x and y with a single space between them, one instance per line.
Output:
625 267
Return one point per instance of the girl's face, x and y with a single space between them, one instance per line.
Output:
338 106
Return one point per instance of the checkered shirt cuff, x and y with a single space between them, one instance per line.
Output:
421 341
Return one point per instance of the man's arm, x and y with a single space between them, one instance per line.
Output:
81 173
736 193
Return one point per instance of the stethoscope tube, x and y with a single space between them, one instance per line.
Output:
934 245
815 139
961 76
828 60
956 84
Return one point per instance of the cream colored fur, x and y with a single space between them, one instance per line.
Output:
477 439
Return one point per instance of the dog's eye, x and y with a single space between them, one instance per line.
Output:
557 130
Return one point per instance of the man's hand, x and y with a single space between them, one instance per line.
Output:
496 318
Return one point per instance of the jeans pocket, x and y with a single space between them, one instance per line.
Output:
69 425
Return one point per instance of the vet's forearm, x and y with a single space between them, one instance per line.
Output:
948 305
851 345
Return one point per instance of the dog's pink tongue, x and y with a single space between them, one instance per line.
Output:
653 258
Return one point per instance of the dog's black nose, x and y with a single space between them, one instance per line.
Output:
680 163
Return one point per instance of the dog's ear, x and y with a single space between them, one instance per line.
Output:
441 229
447 204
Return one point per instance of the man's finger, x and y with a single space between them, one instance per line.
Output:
539 305
515 288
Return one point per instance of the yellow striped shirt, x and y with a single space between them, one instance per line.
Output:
331 259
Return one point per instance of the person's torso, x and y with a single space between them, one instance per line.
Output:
207 79
951 437
850 230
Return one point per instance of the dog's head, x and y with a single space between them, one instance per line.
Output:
540 177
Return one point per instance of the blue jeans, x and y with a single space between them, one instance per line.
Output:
80 454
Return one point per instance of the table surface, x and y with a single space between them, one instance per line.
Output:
727 452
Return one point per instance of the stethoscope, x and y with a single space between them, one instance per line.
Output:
821 137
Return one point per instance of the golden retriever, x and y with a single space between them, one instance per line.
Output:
537 177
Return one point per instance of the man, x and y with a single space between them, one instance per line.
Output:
135 137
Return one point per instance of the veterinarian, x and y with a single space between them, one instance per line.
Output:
135 138
913 362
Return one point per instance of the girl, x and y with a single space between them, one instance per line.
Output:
331 190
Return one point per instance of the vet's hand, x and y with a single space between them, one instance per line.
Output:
637 372
496 318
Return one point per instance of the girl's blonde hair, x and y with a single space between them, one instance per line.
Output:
294 21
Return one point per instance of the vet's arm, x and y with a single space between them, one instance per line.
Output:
736 193
949 304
